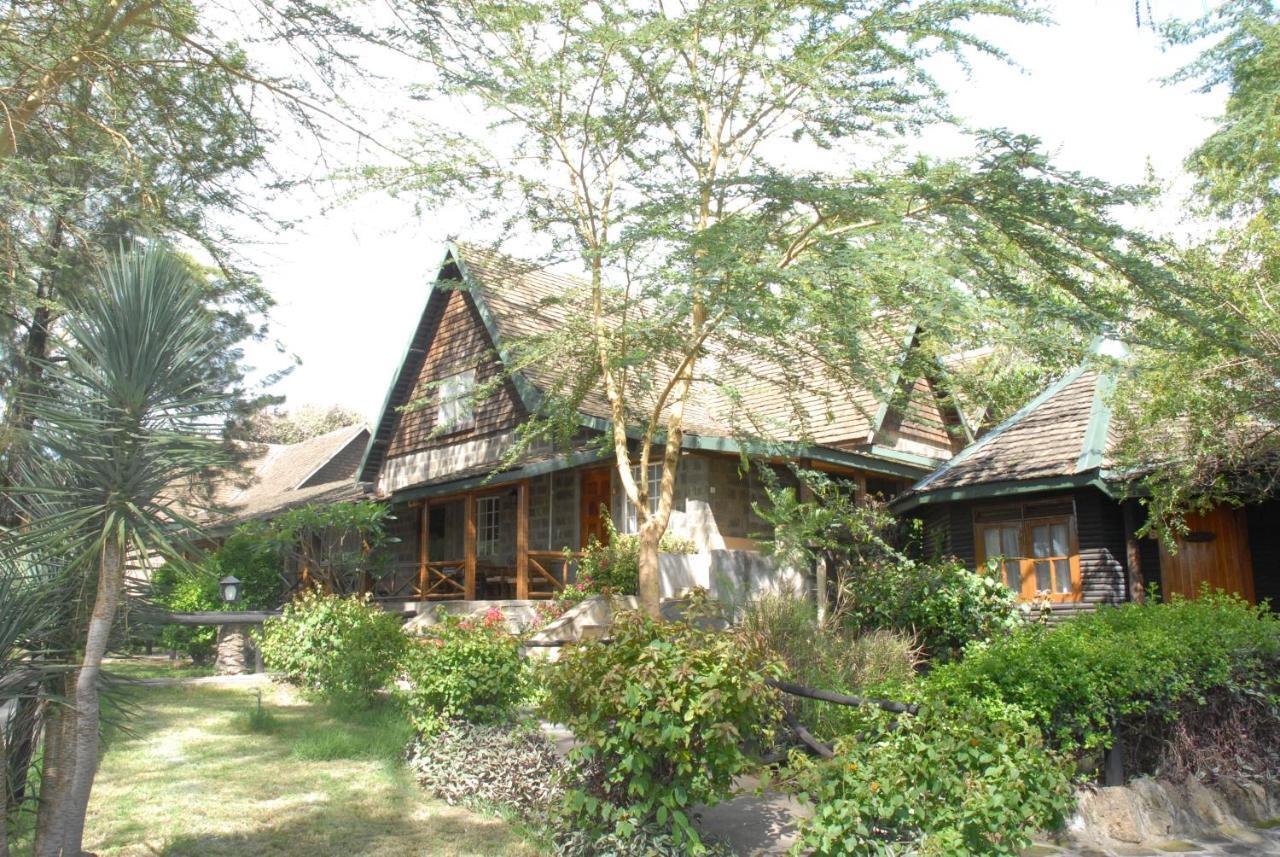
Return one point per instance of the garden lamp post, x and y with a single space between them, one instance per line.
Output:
230 589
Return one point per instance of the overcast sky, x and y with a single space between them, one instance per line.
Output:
350 283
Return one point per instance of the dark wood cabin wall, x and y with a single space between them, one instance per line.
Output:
1099 531
921 417
342 467
1264 544
402 552
460 342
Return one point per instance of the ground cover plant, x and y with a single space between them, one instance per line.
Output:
664 714
341 648
189 777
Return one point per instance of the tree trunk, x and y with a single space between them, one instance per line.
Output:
650 587
4 795
110 584
56 769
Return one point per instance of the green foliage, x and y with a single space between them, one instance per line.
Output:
187 590
340 543
467 669
663 713
506 764
339 648
879 585
1120 667
876 663
967 779
612 567
247 557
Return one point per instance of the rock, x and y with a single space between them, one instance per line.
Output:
1157 814
1109 812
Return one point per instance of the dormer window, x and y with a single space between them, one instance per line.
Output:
456 410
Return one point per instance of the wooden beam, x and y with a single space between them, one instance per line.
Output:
424 533
1133 553
522 540
469 549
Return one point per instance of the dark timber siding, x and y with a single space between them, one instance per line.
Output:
459 342
1264 544
949 529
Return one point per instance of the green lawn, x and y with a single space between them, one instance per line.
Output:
189 774
147 667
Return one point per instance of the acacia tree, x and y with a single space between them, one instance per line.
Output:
140 399
1199 403
736 179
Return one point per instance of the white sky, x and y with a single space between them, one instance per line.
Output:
351 281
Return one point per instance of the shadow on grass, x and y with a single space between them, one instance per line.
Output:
193 773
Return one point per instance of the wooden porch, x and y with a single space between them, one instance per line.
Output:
475 545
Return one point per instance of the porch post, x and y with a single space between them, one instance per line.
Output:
522 540
469 549
424 523
1133 555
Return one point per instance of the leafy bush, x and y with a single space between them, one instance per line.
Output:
955 780
187 590
339 648
878 583
612 567
662 713
1123 667
255 564
513 765
873 663
463 668
642 842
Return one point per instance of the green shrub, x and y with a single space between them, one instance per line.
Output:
876 663
506 764
254 562
944 604
463 668
662 714
1122 666
612 567
955 780
338 648
187 591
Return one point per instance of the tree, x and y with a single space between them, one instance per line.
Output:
139 401
735 178
280 426
137 119
1199 403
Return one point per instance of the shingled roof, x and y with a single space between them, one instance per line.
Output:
1061 438
276 477
518 299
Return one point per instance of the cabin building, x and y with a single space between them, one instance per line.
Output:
475 523
1037 495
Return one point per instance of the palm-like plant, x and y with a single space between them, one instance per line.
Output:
135 406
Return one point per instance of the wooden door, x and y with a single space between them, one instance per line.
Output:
596 493
1215 551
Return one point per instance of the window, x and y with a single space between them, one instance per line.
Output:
488 525
1037 555
457 406
631 520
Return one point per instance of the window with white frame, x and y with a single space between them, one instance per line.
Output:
488 525
630 519
456 395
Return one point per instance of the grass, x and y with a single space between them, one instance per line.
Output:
197 771
149 667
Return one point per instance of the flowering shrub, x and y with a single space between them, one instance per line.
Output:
467 669
662 714
339 648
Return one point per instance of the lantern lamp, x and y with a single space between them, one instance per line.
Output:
229 586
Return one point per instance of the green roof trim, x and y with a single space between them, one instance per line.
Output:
1046 394
528 471
883 411
1095 435
991 490
432 291
886 462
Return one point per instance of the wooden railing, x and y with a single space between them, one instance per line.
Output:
549 572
